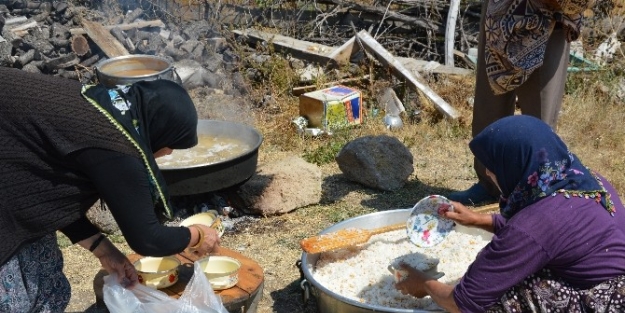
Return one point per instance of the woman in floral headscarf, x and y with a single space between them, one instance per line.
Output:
559 242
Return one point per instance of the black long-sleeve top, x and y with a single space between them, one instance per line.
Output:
123 185
59 155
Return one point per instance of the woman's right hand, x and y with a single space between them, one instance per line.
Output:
461 214
210 239
467 217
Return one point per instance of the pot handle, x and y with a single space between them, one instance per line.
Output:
305 291
304 284
177 77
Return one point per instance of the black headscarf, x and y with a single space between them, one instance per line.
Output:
530 162
155 114
167 115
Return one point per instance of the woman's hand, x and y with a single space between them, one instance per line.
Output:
467 217
461 214
208 236
413 283
112 260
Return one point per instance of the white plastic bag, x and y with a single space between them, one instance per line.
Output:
198 297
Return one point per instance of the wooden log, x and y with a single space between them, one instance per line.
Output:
90 61
26 57
103 38
118 33
142 24
24 27
80 45
386 58
61 62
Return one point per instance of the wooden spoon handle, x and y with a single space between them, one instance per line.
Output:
387 228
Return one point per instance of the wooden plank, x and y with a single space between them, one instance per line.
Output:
153 23
386 58
416 67
343 54
333 55
103 38
298 48
450 32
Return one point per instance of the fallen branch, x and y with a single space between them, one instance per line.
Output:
392 15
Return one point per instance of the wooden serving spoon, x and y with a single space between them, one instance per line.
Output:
344 238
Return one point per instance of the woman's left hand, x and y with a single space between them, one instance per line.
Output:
115 262
413 283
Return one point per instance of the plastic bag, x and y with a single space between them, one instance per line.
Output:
198 297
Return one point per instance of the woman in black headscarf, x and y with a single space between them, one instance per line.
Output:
559 240
64 146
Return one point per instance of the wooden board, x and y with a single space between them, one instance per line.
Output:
240 298
298 48
103 38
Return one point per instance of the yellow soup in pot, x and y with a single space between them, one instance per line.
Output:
209 150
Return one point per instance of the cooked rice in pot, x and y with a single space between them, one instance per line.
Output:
361 273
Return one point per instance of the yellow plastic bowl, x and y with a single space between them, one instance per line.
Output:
221 271
157 272
210 219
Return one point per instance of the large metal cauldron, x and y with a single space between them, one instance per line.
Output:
330 302
227 173
128 69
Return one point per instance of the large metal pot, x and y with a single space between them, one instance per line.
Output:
129 69
203 178
330 302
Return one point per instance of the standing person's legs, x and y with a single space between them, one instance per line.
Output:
549 80
487 108
33 279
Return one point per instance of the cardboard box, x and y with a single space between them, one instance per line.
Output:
331 108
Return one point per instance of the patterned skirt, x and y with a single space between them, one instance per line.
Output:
544 292
33 280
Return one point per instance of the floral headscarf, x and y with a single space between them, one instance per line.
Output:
530 162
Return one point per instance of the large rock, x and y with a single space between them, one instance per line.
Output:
282 186
380 162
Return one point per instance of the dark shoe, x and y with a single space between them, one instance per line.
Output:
474 195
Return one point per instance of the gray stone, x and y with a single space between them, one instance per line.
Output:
380 162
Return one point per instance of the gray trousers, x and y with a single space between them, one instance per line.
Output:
540 96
